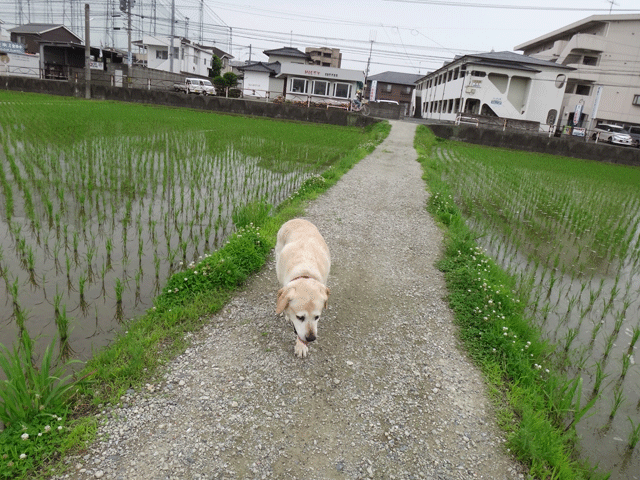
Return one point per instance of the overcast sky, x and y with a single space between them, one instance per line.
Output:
412 36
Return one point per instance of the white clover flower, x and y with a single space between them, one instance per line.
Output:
47 428
23 456
25 436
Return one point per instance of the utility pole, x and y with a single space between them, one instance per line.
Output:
201 22
173 23
87 54
129 52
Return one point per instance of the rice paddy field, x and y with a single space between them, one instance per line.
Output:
568 231
101 202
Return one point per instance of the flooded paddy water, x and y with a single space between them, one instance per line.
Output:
98 258
569 232
101 202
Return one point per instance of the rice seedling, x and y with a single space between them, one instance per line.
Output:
599 377
634 435
618 398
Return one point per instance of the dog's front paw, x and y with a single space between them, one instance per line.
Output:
301 350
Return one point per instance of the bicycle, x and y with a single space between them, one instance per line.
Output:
361 107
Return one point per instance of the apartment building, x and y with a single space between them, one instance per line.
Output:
494 84
325 56
604 50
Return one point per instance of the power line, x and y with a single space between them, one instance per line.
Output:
540 8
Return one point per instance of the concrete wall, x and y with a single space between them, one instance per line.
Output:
332 116
385 110
566 146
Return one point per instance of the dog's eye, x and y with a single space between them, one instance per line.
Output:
300 317
317 317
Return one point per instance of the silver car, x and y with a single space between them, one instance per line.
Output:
614 134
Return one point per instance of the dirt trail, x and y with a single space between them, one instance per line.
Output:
385 392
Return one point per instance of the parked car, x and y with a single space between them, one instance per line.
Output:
195 85
634 133
614 134
207 87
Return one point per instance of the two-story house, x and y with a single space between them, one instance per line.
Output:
188 58
495 84
392 86
605 83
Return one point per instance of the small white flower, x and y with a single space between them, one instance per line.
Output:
47 428
25 436
23 456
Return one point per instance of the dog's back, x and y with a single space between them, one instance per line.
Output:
301 251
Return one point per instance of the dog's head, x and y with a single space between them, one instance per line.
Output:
302 302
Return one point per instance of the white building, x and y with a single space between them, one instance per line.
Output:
188 58
290 75
497 84
605 52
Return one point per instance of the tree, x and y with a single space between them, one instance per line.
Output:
230 79
216 67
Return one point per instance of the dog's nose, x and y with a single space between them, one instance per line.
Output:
311 337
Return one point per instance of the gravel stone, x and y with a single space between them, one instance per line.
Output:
385 392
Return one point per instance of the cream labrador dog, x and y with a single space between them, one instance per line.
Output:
302 267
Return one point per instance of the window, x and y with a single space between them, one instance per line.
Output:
298 85
320 88
636 100
477 73
162 54
342 90
407 90
588 60
388 87
583 89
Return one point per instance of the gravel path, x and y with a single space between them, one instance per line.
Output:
384 394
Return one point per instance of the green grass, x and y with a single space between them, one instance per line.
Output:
187 300
534 401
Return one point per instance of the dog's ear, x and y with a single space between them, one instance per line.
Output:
328 292
284 296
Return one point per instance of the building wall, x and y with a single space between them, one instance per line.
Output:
256 84
606 54
187 59
391 91
286 59
325 56
491 91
